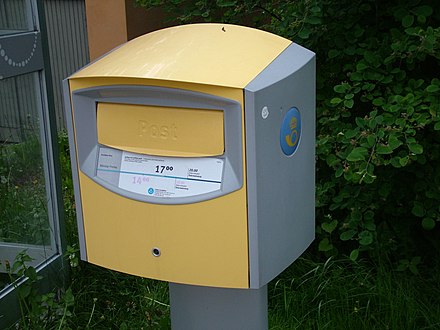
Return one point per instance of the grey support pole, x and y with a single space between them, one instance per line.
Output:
202 308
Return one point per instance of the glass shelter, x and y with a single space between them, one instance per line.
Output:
29 182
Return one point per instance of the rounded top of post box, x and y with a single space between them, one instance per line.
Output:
213 54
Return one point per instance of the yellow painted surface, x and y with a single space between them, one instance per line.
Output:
203 243
162 131
212 54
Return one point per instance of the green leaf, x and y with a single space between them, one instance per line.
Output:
370 226
356 76
349 103
384 190
416 260
315 9
332 53
339 172
304 33
361 66
356 215
329 227
395 161
413 269
404 161
437 126
394 108
357 154
347 235
31 273
313 20
332 160
418 210
379 101
370 57
366 237
367 178
369 215
428 223
354 254
407 21
226 3
421 19
68 297
325 245
394 142
423 10
432 88
335 100
371 140
351 133
24 291
383 149
403 265
339 89
400 12
387 79
415 148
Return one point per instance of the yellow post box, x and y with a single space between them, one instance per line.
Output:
193 155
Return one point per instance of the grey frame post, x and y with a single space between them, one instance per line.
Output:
201 308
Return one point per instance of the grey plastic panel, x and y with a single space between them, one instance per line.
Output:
74 166
84 105
281 189
20 53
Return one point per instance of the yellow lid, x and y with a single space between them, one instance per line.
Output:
161 131
213 54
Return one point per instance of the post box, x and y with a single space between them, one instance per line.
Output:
193 155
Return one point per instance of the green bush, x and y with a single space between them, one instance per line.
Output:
378 114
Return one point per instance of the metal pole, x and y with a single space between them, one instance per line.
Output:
201 308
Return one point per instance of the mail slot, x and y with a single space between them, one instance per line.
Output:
193 155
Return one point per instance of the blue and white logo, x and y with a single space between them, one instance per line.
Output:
150 191
290 132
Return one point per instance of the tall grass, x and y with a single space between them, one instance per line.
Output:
340 294
23 199
335 294
106 299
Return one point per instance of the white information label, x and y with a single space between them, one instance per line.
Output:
168 177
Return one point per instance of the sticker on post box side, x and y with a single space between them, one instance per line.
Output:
290 132
169 177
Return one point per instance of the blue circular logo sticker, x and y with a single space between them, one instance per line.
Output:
150 191
290 132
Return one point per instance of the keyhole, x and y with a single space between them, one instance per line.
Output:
156 252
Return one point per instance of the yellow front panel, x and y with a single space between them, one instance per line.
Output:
163 131
202 243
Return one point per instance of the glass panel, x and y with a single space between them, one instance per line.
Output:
24 202
15 16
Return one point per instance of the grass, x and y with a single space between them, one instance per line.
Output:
339 294
310 294
106 299
23 208
335 294
23 213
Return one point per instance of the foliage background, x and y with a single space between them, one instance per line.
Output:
378 116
